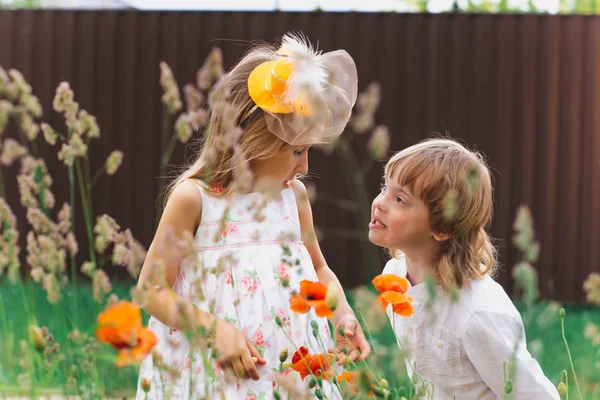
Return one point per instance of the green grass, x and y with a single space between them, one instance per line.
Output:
542 329
553 356
16 315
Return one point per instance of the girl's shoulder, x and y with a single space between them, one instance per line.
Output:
189 189
186 199
301 197
299 189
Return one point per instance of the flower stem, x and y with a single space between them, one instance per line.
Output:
97 176
22 137
505 380
414 369
86 212
34 149
73 264
366 326
346 234
562 325
169 151
167 147
366 166
2 188
4 319
567 384
88 186
366 365
338 201
301 355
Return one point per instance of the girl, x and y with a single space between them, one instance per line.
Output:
247 213
431 214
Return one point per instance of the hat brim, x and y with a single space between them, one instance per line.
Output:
258 91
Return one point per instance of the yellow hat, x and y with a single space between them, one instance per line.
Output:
268 84
307 97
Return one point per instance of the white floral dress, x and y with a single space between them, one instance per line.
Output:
260 262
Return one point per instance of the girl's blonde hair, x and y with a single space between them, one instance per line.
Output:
216 163
455 183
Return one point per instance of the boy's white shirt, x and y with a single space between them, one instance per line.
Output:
462 352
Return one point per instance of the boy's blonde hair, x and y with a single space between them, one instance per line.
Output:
216 164
455 184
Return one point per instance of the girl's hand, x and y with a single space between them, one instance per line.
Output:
236 352
353 341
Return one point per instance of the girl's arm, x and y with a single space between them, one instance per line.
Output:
182 215
493 338
343 315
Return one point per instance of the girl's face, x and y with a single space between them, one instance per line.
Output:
283 167
400 220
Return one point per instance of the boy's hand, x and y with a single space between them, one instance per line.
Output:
354 339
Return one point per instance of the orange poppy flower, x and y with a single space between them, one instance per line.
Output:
392 289
385 282
146 341
310 364
303 366
120 326
403 309
312 294
399 301
320 366
348 377
298 304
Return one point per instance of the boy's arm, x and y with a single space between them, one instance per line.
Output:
492 338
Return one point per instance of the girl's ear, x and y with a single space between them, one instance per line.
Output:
440 236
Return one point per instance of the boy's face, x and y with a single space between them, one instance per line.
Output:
400 220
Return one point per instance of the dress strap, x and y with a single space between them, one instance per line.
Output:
200 184
202 188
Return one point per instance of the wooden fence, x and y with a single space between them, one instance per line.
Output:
524 90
